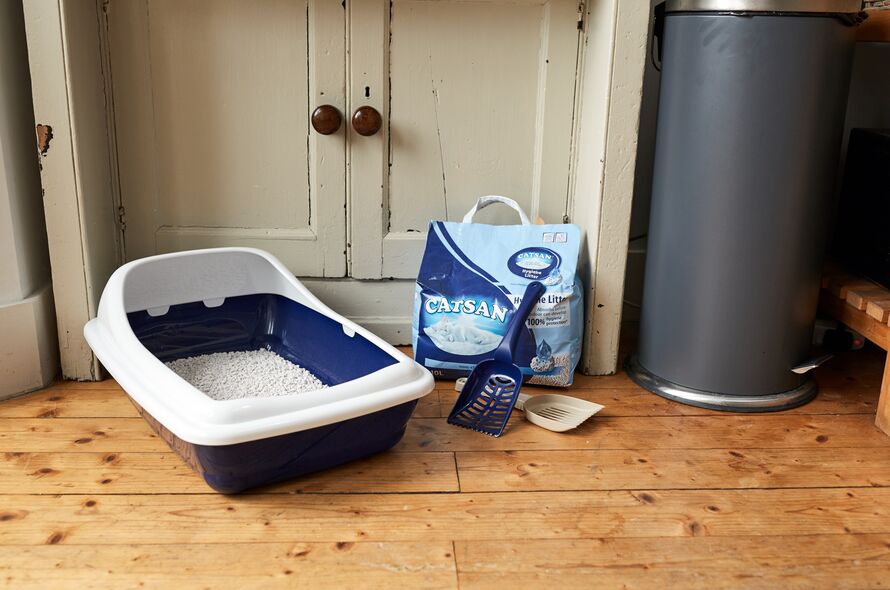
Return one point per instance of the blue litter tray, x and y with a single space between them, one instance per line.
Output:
173 306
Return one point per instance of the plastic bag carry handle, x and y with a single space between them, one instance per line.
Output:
529 300
487 200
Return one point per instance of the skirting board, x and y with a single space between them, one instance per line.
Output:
30 349
384 307
394 329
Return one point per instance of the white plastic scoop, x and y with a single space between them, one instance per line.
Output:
551 411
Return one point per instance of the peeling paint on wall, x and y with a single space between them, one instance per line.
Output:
44 136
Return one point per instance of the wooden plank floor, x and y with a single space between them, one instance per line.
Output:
648 494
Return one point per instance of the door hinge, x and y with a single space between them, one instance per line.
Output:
581 16
122 218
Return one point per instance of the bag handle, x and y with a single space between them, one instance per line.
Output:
487 200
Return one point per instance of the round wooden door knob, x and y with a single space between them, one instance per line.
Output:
366 120
326 119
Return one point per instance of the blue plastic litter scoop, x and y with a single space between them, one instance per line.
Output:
488 397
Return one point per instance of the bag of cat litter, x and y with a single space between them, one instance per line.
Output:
471 278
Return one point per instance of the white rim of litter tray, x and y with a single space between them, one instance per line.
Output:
198 419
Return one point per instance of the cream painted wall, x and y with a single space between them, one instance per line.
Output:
24 265
28 347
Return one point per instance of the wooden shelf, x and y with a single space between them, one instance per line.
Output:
865 307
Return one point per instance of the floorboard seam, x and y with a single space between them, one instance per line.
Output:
457 472
454 493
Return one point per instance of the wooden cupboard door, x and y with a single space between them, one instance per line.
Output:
477 98
212 104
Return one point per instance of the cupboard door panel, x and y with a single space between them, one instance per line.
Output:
478 99
212 103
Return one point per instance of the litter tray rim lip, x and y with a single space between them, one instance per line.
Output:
199 419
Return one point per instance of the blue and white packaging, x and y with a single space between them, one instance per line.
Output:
472 277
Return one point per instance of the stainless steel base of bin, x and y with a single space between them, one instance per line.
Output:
718 401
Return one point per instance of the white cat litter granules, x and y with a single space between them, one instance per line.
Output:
236 375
